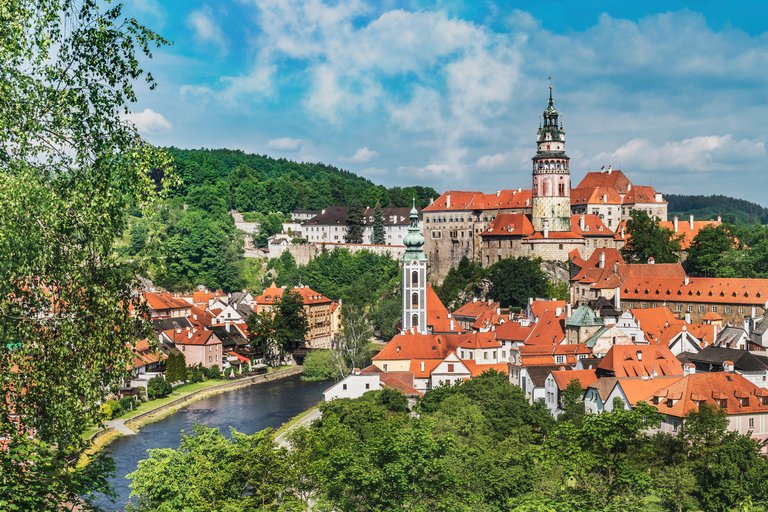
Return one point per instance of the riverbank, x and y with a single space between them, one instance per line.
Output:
161 408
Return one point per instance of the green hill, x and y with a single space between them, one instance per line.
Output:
259 183
733 211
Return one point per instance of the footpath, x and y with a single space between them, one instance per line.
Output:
313 415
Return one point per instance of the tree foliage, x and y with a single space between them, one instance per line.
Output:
275 331
649 239
355 220
70 167
732 211
379 233
514 280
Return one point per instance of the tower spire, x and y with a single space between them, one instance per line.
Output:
550 90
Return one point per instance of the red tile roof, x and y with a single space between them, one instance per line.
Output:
429 365
539 307
682 396
478 369
564 377
513 331
544 355
602 195
654 321
475 308
637 390
467 200
437 314
165 301
623 361
509 224
549 330
192 336
642 195
684 228
614 179
699 289
420 346
480 340
554 235
593 226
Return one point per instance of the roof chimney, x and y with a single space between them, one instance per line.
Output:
474 299
610 169
452 324
719 219
687 317
178 331
582 222
727 366
622 231
422 366
567 310
639 355
687 280
651 261
674 223
689 369
748 325
605 198
498 193
558 312
691 222
189 335
602 169
448 201
601 263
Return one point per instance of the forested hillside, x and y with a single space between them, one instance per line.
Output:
733 211
262 184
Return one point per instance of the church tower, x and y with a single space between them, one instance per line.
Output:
551 176
414 278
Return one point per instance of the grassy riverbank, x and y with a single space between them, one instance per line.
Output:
293 421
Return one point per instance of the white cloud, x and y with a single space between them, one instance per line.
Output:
285 144
705 153
206 28
148 121
362 155
492 161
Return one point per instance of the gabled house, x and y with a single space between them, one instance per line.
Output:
199 346
468 314
753 366
532 380
557 382
638 361
605 338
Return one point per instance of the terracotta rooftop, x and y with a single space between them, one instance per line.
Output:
699 289
564 377
615 179
549 330
468 200
165 301
475 308
639 360
509 224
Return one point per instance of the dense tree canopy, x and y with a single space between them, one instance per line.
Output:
732 211
480 446
649 239
70 167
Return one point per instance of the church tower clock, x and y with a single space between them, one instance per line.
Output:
551 175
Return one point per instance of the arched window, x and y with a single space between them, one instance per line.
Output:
415 300
415 278
562 189
415 320
557 166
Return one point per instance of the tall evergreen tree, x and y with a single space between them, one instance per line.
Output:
379 235
181 365
355 218
171 371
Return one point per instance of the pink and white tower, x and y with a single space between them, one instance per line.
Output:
551 176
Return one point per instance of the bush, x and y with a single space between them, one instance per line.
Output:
114 405
106 412
127 403
393 399
158 387
194 374
213 372
230 372
319 365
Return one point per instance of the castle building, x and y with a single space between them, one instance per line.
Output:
537 223
551 176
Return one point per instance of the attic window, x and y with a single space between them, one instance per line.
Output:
434 347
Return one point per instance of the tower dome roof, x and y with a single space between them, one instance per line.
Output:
414 241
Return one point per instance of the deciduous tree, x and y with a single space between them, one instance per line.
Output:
649 239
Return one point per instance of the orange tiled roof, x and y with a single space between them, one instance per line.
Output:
549 330
602 195
165 301
420 346
480 340
641 389
513 331
554 235
437 314
469 200
539 307
623 361
478 369
198 336
593 226
706 387
615 179
564 377
611 256
310 296
699 289
642 195
544 355
475 308
654 321
627 270
200 318
509 224
429 365
489 318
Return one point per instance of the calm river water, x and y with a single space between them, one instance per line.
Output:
248 410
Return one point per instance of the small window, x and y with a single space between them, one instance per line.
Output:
674 426
702 309
485 355
462 354
560 359
450 367
690 309
385 366
751 422
714 309
679 307
741 311
344 387
367 385
210 359
728 310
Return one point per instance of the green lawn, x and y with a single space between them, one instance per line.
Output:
178 392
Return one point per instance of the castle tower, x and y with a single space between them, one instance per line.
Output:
414 278
551 176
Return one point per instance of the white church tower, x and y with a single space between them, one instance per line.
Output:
414 278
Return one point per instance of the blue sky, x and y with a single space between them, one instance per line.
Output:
448 93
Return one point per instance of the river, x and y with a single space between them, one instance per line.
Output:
247 409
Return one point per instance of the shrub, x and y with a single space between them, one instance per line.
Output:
114 405
230 372
194 374
158 388
127 403
213 372
393 399
106 412
319 365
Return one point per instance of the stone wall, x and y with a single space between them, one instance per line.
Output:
303 253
